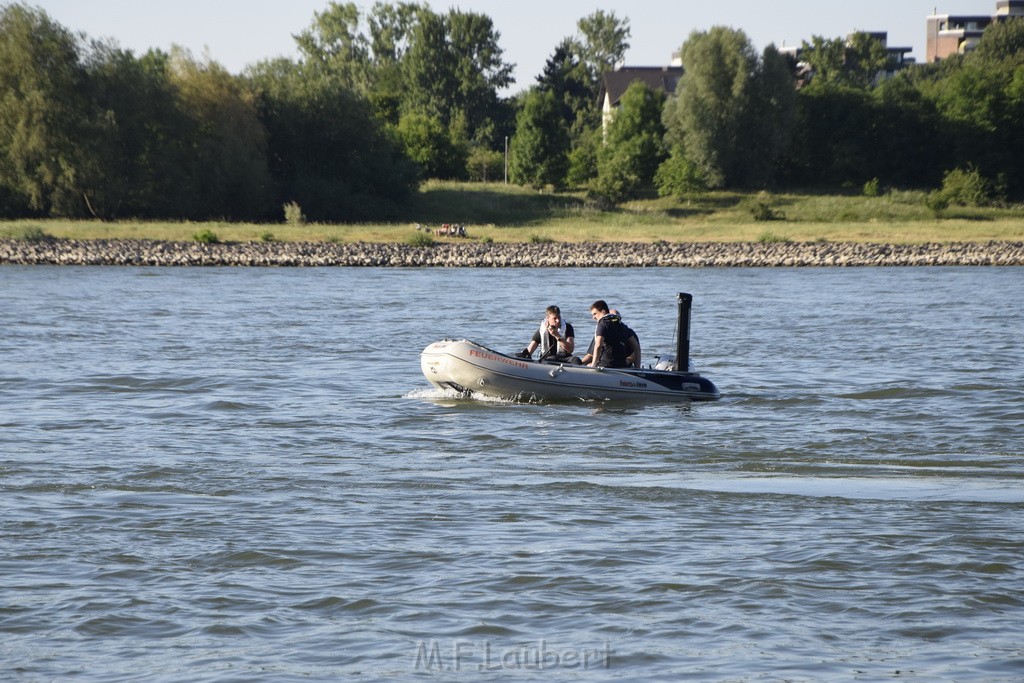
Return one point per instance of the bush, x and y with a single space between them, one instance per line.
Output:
613 186
764 212
540 239
619 173
28 233
769 237
583 159
432 146
420 239
963 187
206 236
679 177
293 214
936 201
871 188
967 187
267 236
485 166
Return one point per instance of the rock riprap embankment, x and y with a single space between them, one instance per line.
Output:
500 255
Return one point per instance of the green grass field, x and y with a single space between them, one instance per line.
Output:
507 213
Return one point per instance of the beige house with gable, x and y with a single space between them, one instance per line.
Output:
615 83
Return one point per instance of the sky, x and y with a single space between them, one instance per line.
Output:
238 33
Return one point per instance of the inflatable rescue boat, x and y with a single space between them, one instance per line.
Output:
468 367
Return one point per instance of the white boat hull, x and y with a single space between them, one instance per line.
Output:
466 366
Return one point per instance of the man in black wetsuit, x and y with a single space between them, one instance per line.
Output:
633 359
611 339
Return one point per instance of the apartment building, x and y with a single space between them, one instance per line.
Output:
952 34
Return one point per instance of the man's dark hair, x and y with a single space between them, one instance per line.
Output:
554 309
600 305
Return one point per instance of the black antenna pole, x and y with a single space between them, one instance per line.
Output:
683 332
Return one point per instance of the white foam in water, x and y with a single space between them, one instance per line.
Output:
431 392
952 489
435 394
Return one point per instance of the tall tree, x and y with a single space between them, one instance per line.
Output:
335 43
46 155
480 71
603 43
982 104
832 144
906 124
573 73
847 113
537 154
429 71
453 70
391 26
852 63
328 152
229 147
712 103
634 146
411 62
144 142
566 76
429 144
391 29
732 112
769 118
1002 41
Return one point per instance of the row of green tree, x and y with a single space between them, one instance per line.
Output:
742 120
378 101
375 103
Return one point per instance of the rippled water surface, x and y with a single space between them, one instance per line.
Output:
231 474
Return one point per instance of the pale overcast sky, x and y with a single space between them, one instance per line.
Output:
237 33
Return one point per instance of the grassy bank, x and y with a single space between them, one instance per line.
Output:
513 214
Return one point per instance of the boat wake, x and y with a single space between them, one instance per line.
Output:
953 487
446 394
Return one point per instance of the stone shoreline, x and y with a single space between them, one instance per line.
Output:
500 255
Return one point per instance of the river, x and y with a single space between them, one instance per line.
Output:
217 474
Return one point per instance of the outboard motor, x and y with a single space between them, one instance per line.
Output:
669 363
